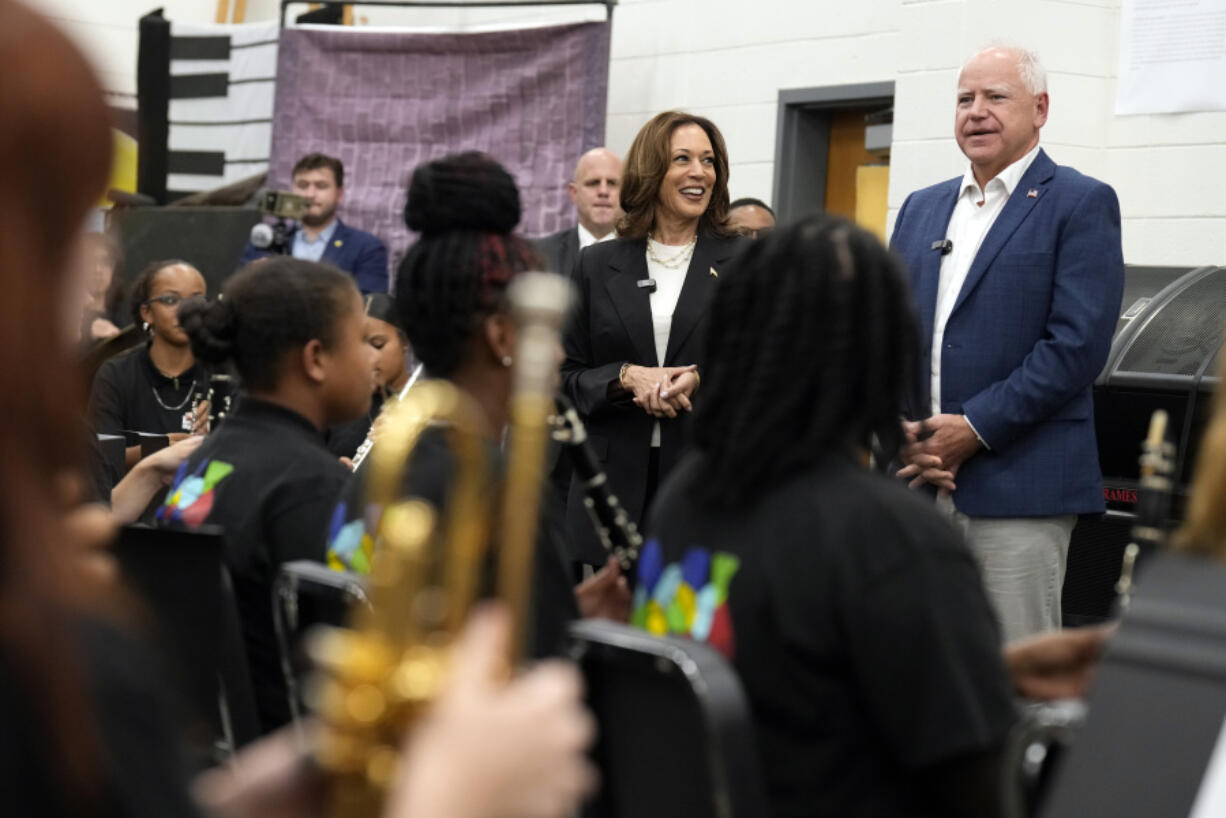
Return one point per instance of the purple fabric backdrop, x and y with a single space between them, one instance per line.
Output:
384 102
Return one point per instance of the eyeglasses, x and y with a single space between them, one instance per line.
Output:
171 300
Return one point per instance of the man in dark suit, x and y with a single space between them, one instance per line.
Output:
322 236
1017 271
594 194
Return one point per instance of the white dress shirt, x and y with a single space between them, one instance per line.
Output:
974 214
586 238
307 250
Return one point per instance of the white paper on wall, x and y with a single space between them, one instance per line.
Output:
1172 56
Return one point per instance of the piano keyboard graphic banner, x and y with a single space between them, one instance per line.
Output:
385 101
218 102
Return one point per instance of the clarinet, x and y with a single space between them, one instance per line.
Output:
616 531
1153 503
365 448
220 398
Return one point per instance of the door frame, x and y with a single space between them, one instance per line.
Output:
802 141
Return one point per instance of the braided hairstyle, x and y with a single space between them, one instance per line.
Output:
265 310
810 342
464 206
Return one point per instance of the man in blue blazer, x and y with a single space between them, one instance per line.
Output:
1017 272
322 236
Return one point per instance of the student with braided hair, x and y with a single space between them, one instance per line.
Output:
451 296
852 612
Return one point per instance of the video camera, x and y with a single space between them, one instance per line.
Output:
285 208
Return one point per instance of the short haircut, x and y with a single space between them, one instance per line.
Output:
646 165
315 161
1032 72
749 201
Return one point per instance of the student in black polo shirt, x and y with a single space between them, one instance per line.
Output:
294 331
157 388
853 614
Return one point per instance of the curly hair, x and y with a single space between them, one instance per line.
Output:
465 206
811 339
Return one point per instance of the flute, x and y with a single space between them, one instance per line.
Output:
364 449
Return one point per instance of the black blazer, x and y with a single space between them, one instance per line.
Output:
561 250
610 326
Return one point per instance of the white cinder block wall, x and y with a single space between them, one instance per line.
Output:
728 59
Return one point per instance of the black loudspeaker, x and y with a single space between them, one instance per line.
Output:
1165 355
211 239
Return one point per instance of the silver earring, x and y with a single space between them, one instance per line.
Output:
506 360
144 325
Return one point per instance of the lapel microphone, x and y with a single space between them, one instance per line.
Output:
648 284
946 246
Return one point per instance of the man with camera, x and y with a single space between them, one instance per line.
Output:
319 235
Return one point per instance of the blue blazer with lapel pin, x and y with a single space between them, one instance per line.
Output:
1029 332
363 255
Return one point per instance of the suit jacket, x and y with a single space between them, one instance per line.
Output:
561 250
611 325
361 254
1029 332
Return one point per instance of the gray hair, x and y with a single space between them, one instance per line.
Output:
1032 72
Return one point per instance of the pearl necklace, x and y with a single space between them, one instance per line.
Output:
674 261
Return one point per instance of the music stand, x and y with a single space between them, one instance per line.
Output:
675 736
1158 703
305 594
194 631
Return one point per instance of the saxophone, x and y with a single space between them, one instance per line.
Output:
378 678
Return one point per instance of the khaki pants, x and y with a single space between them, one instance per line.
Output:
1022 560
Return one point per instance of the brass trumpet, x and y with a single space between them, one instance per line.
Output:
378 677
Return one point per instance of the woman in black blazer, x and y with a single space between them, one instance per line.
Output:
634 352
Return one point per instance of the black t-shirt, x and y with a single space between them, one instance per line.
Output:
265 477
129 394
857 622
351 546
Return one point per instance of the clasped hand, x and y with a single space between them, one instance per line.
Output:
662 391
935 448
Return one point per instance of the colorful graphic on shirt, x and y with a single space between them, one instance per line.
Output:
192 494
350 545
689 598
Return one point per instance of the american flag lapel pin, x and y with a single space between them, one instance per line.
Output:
1033 193
713 273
